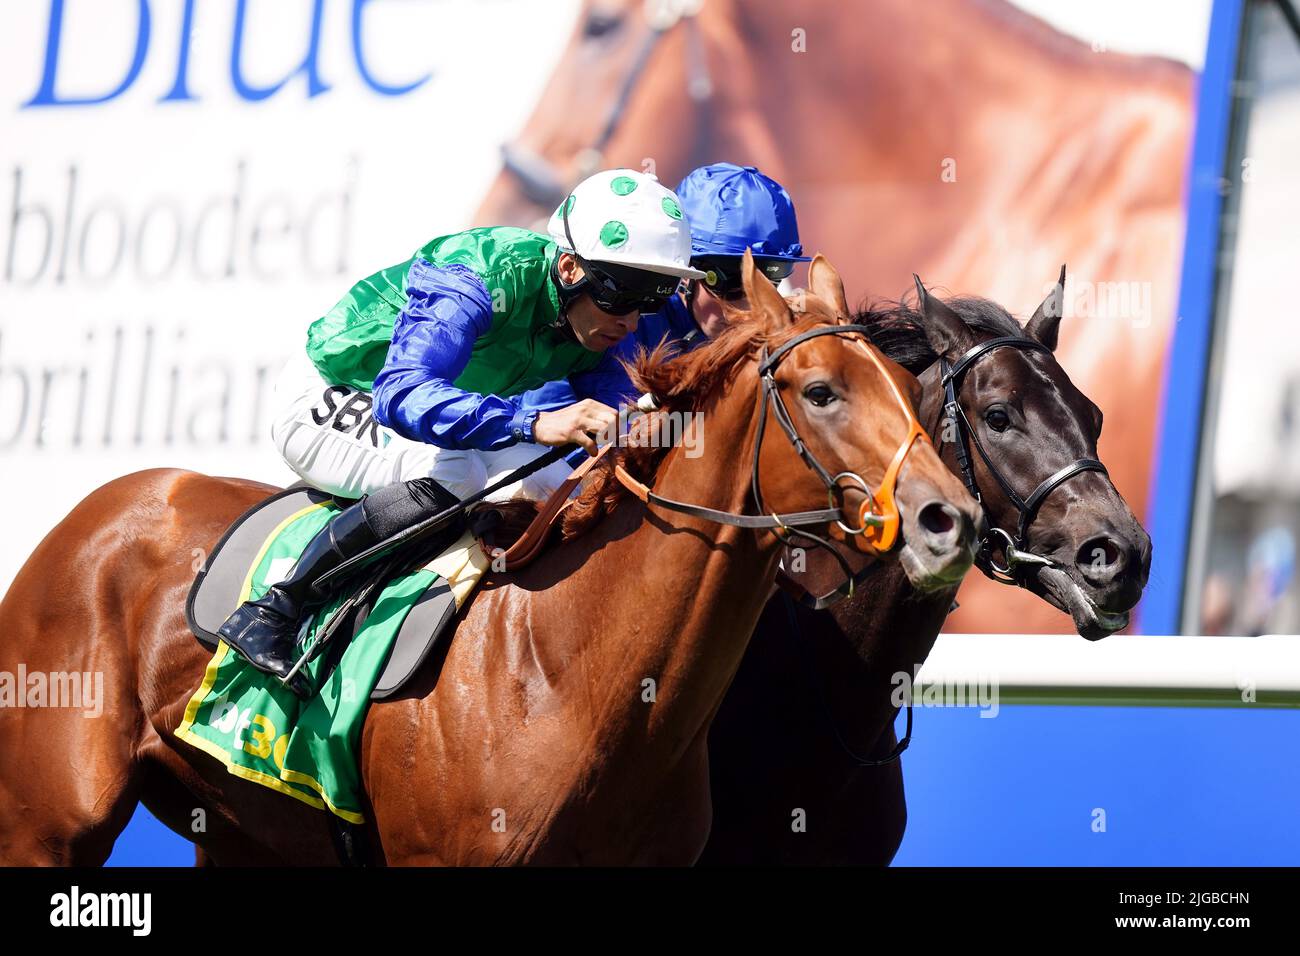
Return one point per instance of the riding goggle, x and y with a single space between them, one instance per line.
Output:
619 290
722 274
616 289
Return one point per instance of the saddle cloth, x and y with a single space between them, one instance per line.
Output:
256 727
216 591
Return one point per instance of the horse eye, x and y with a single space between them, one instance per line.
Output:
601 22
819 394
997 419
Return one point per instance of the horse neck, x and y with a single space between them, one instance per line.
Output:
692 595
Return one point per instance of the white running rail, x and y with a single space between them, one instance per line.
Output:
1124 670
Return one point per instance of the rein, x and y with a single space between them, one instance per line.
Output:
1015 549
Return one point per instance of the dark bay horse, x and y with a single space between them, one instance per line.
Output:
810 675
569 720
977 131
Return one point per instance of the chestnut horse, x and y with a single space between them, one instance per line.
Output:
568 722
978 133
810 676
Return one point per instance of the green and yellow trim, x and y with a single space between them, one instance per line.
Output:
289 782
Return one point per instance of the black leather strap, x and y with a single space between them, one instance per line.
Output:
772 360
1048 484
951 377
794 519
976 351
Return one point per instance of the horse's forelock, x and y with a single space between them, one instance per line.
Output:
898 330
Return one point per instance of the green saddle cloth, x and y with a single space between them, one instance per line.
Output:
307 749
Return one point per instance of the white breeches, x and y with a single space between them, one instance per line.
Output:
328 436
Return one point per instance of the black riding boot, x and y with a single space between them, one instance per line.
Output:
264 632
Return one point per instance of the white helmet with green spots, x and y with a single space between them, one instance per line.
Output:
628 218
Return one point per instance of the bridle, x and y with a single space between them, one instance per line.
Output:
877 517
1016 550
541 180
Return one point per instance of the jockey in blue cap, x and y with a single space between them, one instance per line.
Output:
729 209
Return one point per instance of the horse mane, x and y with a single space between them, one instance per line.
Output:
898 330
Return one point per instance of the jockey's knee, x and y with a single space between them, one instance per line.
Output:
542 484
398 506
430 495
462 472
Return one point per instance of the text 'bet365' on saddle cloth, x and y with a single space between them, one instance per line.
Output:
304 748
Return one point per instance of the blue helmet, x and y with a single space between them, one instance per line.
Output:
731 208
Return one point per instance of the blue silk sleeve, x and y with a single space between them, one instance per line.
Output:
447 309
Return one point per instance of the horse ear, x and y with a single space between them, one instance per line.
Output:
764 300
947 334
825 283
1046 321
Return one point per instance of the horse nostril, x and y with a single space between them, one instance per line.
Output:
937 518
1100 559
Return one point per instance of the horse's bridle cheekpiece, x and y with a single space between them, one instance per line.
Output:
1015 550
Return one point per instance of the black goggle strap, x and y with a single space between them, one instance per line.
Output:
588 277
721 280
571 288
621 295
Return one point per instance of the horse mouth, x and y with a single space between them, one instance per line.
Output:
929 576
1091 620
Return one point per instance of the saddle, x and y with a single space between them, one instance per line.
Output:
215 592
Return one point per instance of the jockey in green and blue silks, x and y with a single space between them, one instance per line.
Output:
448 342
730 209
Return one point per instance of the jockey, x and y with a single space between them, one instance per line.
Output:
448 342
729 208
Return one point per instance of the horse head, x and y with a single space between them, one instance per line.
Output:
1027 439
851 415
